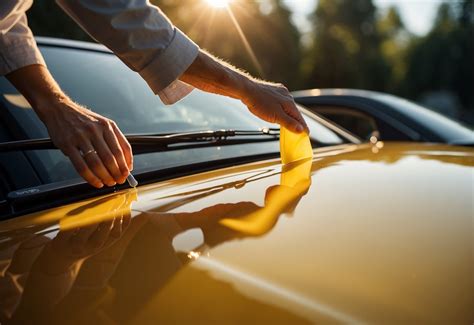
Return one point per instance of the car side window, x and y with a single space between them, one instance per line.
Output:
360 124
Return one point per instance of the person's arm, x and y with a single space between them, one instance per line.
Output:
98 150
146 41
269 101
74 129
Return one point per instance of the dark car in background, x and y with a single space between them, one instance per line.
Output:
383 117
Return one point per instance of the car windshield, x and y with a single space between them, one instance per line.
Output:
102 83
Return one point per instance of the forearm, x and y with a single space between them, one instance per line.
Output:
39 88
271 102
212 75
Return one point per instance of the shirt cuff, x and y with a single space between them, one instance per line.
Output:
165 69
18 53
175 92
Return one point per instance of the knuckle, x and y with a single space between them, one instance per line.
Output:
90 127
116 151
109 160
272 118
106 124
95 164
82 170
68 138
128 147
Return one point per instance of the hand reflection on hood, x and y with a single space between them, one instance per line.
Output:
48 268
116 263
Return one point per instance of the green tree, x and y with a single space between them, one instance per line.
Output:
443 59
394 43
346 46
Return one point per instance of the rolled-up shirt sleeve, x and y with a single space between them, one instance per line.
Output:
17 44
142 37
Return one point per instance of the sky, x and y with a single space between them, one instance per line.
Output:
418 15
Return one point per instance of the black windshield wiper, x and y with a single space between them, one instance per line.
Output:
165 142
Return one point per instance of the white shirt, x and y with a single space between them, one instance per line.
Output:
136 31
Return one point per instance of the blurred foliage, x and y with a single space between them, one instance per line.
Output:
352 44
346 51
444 60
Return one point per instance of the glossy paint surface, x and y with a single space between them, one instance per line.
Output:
369 234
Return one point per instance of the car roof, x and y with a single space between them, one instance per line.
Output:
436 127
73 44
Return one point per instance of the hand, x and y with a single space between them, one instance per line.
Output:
75 245
274 103
97 148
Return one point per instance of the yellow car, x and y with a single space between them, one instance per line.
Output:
221 230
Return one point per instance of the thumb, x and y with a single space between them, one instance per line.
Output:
289 122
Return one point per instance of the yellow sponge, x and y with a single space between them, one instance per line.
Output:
294 146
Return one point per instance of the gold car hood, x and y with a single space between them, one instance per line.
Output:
359 234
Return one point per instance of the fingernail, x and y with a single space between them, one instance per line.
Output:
299 128
100 185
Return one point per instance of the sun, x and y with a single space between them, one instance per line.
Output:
218 3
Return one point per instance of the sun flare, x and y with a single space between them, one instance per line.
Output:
218 3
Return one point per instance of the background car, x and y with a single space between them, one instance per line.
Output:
219 230
383 116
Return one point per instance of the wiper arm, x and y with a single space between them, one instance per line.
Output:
165 142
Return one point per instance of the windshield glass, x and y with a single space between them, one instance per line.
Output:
105 85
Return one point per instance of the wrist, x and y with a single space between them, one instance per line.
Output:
47 105
242 86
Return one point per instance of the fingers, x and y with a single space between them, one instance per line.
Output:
126 148
79 239
95 164
289 122
289 107
109 160
102 152
117 227
101 234
113 142
83 169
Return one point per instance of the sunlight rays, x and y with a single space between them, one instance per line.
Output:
218 3
247 45
217 8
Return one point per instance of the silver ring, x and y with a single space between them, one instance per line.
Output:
88 152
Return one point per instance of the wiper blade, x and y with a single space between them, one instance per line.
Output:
165 142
